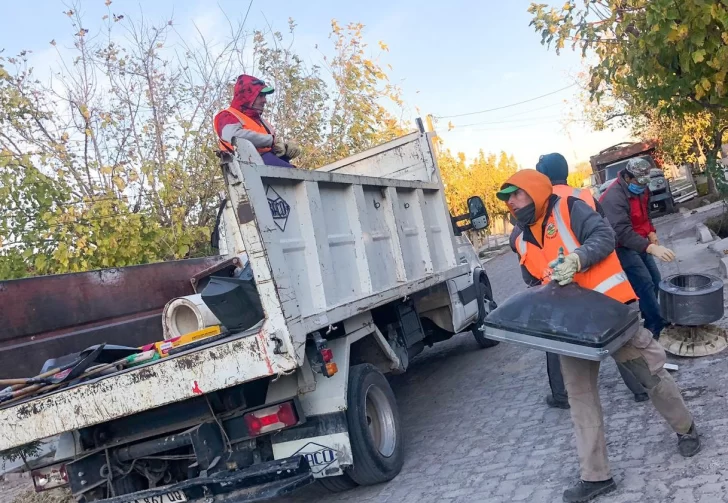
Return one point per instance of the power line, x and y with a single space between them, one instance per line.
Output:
505 106
527 119
512 115
502 129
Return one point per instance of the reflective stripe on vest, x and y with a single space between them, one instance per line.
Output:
247 123
606 277
567 237
611 282
521 245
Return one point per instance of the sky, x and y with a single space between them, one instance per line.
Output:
449 58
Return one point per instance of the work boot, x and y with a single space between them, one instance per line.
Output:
689 443
587 491
557 404
641 397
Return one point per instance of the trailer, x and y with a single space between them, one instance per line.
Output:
355 267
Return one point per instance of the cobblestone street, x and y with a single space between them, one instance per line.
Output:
477 428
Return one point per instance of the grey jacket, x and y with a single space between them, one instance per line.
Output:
591 230
615 203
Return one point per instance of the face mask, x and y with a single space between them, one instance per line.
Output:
526 215
636 189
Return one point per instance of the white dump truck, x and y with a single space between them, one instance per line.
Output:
353 268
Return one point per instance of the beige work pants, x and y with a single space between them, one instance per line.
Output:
644 357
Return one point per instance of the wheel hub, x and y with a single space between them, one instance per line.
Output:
380 419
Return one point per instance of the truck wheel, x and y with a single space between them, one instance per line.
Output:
376 437
485 306
337 484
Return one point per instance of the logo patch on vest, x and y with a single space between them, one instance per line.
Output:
550 230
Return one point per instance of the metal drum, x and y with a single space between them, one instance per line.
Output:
691 299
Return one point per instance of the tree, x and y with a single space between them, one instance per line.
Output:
112 162
579 174
482 177
663 56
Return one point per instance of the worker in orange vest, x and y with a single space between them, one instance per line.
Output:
556 168
242 121
547 224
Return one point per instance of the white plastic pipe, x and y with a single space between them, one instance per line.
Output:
186 314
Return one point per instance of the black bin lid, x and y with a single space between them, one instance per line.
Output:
568 313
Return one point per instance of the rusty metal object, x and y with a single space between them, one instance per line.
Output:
49 316
621 151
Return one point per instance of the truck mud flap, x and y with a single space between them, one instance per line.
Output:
259 482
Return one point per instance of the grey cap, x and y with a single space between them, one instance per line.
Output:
640 169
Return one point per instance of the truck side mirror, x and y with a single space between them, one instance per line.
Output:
479 218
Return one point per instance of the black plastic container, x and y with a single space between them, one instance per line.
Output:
568 320
234 300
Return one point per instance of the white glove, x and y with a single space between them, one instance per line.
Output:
279 147
664 254
564 272
292 149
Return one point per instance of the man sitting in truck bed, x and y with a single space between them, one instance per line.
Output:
242 121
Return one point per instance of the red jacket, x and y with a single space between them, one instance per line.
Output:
628 213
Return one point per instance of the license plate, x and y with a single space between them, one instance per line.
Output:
173 497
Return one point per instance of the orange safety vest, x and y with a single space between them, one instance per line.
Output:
247 123
606 277
564 191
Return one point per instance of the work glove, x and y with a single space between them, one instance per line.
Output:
652 236
279 147
664 254
564 272
292 149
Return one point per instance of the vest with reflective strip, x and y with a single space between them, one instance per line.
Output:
247 123
606 277
564 191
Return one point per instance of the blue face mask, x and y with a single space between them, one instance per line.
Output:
636 189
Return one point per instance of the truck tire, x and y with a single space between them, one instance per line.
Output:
485 302
377 441
338 484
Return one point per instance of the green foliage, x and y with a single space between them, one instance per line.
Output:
661 60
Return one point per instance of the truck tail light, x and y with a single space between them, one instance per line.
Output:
270 419
327 355
49 477
321 356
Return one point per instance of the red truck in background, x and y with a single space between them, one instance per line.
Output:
607 164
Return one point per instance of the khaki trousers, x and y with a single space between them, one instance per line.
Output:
644 358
